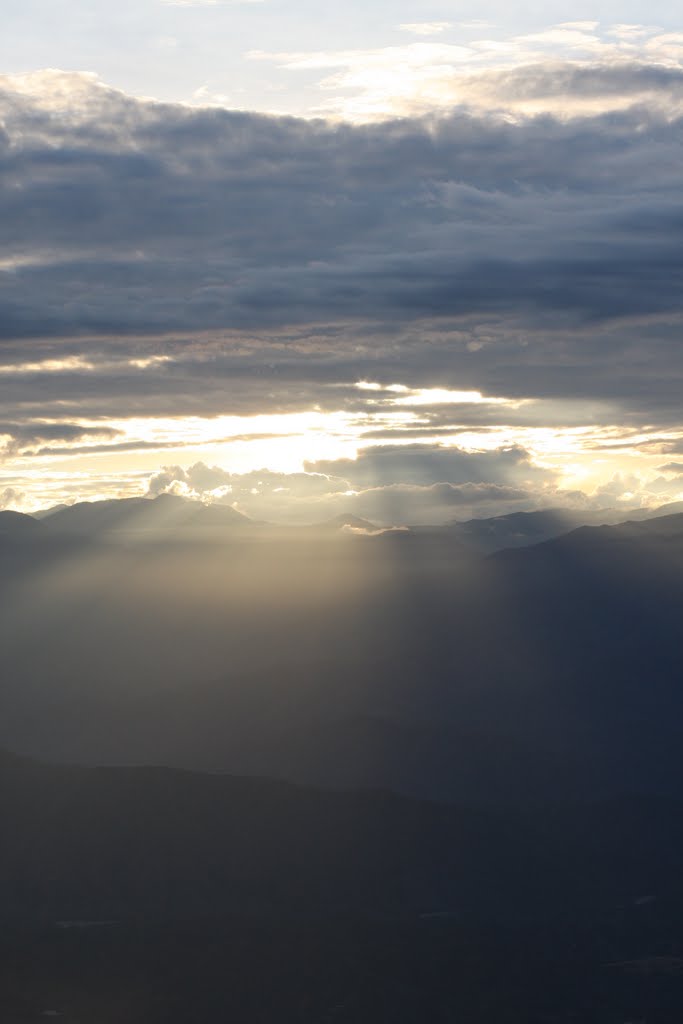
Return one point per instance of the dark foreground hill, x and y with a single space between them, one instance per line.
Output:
85 843
15 526
154 896
167 513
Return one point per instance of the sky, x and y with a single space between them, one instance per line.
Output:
416 262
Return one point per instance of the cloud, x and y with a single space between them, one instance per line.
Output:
409 504
428 465
12 499
20 436
621 488
421 77
425 28
162 261
202 480
261 494
156 218
207 3
389 486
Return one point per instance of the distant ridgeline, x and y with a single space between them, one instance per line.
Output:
513 660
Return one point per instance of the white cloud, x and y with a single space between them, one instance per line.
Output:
668 46
580 26
425 28
207 3
629 32
12 499
473 26
371 84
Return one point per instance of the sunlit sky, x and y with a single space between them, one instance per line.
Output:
418 262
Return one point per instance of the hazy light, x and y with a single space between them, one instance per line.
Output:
66 365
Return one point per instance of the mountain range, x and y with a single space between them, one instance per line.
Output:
169 513
346 657
425 774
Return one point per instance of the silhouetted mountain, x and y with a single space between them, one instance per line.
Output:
399 660
670 509
17 526
165 513
653 546
45 513
537 692
522 529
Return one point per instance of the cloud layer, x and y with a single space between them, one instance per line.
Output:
568 68
161 262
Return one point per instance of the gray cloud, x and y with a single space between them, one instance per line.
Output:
400 504
629 370
27 432
426 465
136 217
671 447
273 262
21 435
625 80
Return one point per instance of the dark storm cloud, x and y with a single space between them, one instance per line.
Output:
538 258
21 435
27 432
427 465
143 217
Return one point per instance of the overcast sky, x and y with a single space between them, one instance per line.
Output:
416 262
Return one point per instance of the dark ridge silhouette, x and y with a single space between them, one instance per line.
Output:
17 526
167 512
653 546
341 659
218 843
45 513
522 529
670 509
442 786
152 895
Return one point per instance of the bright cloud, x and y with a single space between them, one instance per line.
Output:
425 28
493 71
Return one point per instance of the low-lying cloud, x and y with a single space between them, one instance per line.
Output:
413 485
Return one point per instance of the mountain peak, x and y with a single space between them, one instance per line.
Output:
17 524
164 513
